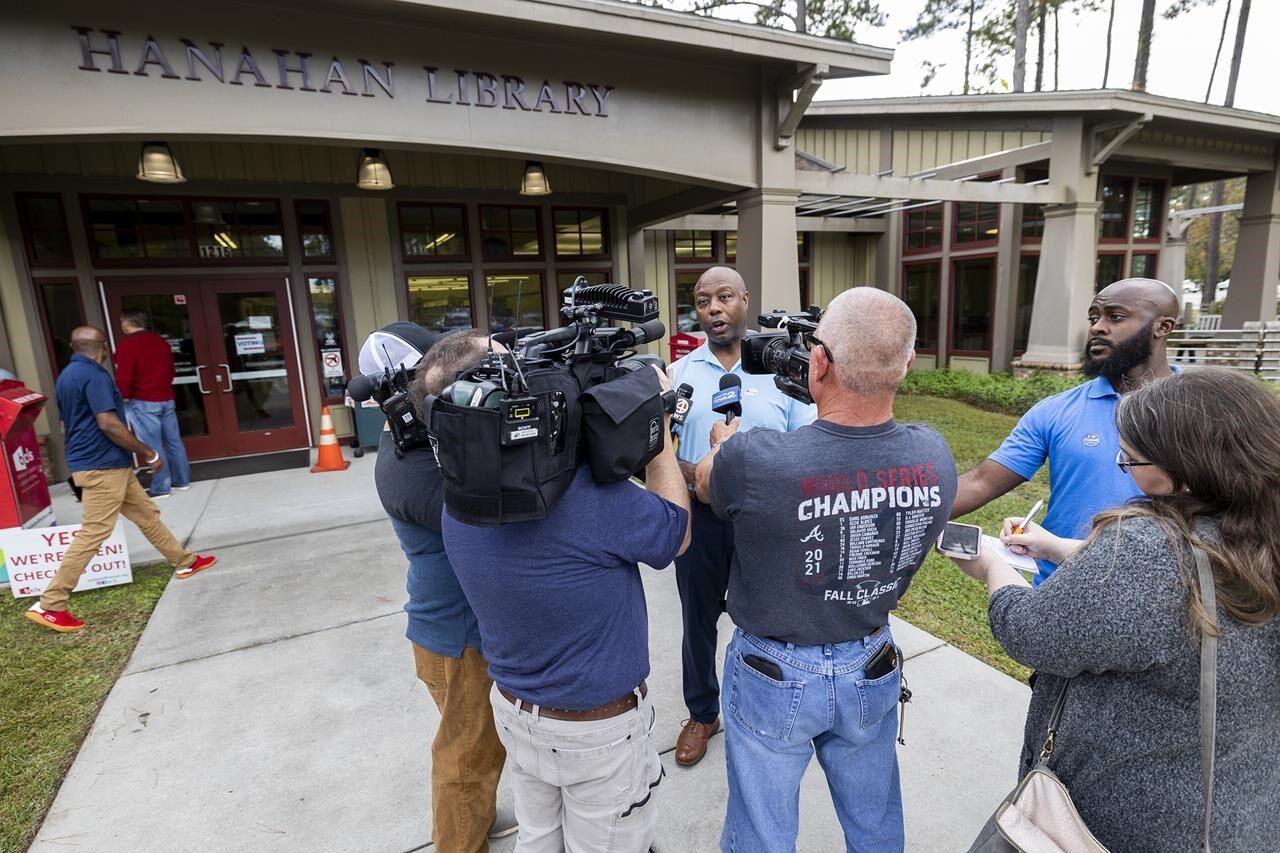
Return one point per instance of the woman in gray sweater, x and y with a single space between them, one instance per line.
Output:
1122 618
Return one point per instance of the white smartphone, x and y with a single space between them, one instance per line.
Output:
961 541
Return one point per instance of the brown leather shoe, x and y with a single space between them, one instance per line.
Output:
692 743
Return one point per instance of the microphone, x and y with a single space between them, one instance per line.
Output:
684 397
636 335
362 387
728 400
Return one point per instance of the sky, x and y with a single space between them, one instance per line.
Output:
1181 55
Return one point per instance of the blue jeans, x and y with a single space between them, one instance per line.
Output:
156 425
772 728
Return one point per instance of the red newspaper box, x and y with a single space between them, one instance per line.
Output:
683 343
24 495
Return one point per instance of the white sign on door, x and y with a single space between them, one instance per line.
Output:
331 360
32 558
250 344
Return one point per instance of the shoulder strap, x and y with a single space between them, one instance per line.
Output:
1208 687
1055 718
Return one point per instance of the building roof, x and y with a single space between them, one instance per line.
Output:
953 108
675 30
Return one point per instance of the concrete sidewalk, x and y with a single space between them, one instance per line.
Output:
271 702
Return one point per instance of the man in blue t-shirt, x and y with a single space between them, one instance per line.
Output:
562 618
702 573
100 452
1129 325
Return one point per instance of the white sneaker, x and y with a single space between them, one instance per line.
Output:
158 497
182 488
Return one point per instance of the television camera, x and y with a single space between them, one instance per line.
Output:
784 353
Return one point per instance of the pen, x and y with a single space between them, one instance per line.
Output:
1021 526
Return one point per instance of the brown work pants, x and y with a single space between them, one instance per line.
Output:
107 494
466 755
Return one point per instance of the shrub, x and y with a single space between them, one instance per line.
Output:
998 392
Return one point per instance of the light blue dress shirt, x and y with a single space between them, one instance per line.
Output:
763 405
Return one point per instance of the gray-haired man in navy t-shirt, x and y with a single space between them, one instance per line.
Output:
830 523
562 618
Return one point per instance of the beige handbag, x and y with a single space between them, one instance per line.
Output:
1038 815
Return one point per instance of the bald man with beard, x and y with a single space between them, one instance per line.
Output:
1129 327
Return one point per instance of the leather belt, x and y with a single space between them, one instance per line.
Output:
602 712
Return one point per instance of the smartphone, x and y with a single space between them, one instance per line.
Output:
961 541
882 663
763 666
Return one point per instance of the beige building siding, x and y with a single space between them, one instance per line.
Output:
657 275
917 150
282 163
857 149
1205 143
839 261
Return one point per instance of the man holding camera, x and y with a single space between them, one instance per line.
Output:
702 573
562 614
466 755
830 524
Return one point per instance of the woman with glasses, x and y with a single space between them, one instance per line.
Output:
1122 619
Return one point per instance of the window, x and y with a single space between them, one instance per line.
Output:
730 246
974 291
976 222
686 314
429 231
924 228
581 233
61 311
442 303
1033 214
326 315
802 245
804 288
127 228
1143 265
516 300
315 230
1110 268
1115 208
238 229
921 288
1148 210
45 226
696 245
510 232
1028 267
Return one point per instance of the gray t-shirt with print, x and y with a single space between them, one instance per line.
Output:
830 524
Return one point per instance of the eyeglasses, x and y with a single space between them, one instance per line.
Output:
1125 464
810 339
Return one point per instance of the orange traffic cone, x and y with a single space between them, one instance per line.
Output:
330 458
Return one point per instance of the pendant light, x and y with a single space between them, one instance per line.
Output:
535 180
372 173
157 164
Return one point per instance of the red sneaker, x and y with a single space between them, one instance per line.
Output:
59 620
200 564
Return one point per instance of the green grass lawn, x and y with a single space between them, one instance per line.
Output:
942 600
51 686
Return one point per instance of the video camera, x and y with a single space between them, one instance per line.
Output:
783 353
510 433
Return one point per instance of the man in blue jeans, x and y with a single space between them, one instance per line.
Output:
830 523
144 374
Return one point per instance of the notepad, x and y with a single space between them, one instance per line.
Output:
1021 562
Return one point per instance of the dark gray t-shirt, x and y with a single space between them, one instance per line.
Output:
830 524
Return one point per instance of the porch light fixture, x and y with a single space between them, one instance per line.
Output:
157 165
372 173
535 180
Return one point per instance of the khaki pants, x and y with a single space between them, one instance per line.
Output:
466 755
582 787
108 494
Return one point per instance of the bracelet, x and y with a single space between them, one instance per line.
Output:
154 459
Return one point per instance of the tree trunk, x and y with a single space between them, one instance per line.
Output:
1020 46
1106 65
802 16
1217 54
968 46
1055 48
1145 29
1040 46
1242 25
1210 291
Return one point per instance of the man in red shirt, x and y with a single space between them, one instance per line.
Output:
144 374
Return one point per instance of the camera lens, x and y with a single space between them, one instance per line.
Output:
774 355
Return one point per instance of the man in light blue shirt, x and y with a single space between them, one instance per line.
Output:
1129 325
702 572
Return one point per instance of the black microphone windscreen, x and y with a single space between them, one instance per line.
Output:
729 380
650 331
361 388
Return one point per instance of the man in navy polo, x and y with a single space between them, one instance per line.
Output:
100 452
702 573
1129 326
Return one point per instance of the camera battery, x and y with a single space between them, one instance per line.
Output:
521 420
